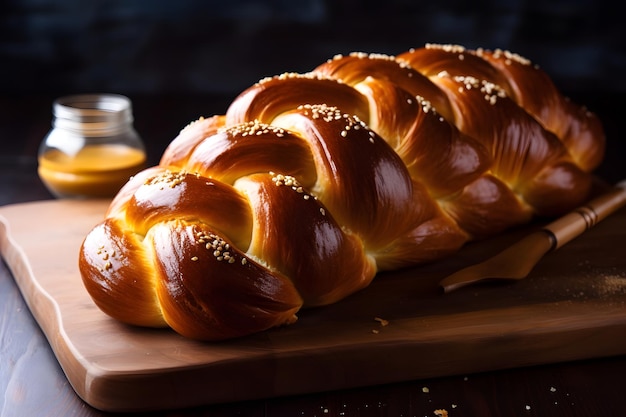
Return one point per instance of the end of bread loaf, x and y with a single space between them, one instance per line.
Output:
174 269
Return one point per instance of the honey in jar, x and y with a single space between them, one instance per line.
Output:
92 149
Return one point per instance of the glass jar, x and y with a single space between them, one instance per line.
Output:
92 149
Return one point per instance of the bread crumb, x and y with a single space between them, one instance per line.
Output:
382 322
441 413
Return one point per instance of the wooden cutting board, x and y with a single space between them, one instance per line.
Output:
572 306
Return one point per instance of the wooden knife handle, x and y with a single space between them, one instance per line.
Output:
585 217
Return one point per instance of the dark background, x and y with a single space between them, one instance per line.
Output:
197 47
195 56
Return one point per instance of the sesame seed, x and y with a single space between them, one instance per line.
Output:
168 178
192 123
490 90
426 105
510 57
254 128
218 246
290 181
295 75
333 114
364 55
457 49
194 258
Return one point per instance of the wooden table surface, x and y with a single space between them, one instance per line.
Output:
33 384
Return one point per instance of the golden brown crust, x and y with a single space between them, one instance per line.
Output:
486 206
299 237
192 198
312 183
434 59
208 289
250 148
360 178
179 150
525 83
272 96
117 273
360 67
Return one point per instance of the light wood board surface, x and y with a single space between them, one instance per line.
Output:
572 306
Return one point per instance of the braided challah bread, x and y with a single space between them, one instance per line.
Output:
311 183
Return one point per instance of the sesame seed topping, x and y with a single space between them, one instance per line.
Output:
297 75
457 49
365 55
200 119
490 90
255 128
382 57
289 181
219 248
167 178
510 57
426 105
330 114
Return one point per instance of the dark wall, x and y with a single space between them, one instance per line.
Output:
197 47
